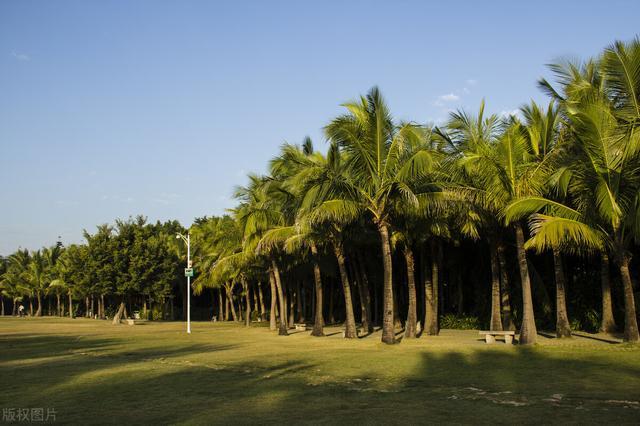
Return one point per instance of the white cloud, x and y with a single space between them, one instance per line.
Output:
449 97
472 82
20 56
442 99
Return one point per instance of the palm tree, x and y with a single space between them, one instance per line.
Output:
603 178
31 269
604 187
506 170
469 141
315 181
264 205
380 176
309 172
543 134
217 242
51 257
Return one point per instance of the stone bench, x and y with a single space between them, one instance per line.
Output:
135 321
301 327
490 336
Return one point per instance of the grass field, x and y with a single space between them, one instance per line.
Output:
92 372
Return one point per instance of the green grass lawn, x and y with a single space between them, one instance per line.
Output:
92 372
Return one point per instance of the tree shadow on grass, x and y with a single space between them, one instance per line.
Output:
492 384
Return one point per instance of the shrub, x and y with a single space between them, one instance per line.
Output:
110 311
461 322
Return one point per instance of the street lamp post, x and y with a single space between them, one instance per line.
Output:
187 241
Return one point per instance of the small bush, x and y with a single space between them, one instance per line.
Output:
460 322
589 321
110 311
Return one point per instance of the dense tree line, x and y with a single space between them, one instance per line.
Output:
130 264
524 221
394 204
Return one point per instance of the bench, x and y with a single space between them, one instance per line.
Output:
134 321
490 336
302 327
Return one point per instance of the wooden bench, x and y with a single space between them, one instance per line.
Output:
302 327
490 336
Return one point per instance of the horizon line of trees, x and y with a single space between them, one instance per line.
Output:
525 221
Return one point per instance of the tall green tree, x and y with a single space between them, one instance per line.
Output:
380 176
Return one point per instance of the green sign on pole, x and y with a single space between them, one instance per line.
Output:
188 272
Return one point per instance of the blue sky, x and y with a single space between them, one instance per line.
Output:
117 108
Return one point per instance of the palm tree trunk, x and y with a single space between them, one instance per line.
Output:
256 309
58 304
292 302
286 304
118 316
412 313
1 306
39 297
350 321
220 305
528 332
431 293
102 313
496 321
226 306
70 305
229 289
318 323
247 321
438 286
272 312
608 323
282 330
388 332
563 329
263 313
507 315
365 297
30 306
630 319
